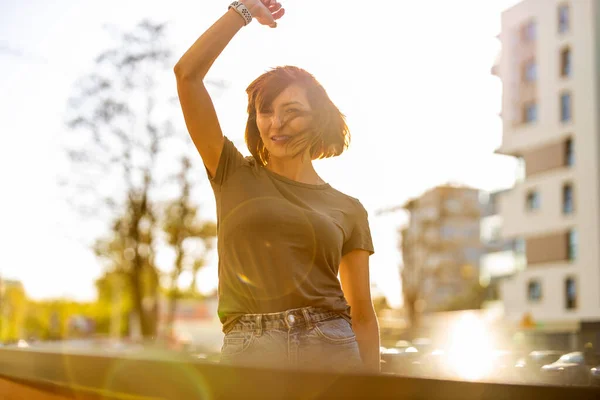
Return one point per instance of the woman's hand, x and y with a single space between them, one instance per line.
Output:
266 12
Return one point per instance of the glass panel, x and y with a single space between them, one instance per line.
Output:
567 199
565 107
565 62
569 156
572 249
563 18
534 291
530 71
570 294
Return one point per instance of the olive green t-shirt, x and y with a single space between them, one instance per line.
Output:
279 241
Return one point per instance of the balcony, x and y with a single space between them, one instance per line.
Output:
496 66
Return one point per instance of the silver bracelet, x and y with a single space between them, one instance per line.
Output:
241 9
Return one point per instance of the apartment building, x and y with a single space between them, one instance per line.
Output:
550 72
441 247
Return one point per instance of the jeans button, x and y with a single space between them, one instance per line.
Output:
291 319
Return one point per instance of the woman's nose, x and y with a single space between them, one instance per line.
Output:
276 121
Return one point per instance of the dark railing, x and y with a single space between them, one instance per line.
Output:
33 374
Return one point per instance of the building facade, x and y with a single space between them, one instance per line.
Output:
441 248
549 67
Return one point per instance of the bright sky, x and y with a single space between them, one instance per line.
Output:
413 78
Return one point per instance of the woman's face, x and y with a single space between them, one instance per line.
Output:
287 117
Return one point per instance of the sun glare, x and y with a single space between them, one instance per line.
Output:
471 352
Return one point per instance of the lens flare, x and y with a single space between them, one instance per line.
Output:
471 352
245 279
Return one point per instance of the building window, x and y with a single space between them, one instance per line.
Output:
570 294
568 205
565 62
569 154
529 32
563 18
530 71
572 245
534 290
565 107
533 201
530 113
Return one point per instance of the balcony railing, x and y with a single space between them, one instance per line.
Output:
495 70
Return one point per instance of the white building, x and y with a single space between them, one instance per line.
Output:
549 67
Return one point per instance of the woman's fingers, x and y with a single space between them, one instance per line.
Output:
279 13
272 11
272 5
268 3
275 6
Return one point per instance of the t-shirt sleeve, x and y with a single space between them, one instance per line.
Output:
229 162
360 237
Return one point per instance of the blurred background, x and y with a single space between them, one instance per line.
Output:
475 149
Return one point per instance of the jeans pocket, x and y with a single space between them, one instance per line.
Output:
335 331
236 343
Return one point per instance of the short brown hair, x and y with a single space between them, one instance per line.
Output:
331 135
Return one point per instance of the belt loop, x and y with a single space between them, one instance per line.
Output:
307 318
258 329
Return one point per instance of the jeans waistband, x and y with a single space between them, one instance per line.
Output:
295 318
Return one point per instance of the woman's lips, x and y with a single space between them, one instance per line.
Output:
280 138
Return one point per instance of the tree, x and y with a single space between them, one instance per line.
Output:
120 126
114 304
182 228
13 309
53 319
125 276
120 120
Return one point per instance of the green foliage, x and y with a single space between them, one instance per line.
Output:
190 237
24 318
113 302
121 123
13 310
122 126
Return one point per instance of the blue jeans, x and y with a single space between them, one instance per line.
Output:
303 338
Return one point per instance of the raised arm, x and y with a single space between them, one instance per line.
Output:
198 110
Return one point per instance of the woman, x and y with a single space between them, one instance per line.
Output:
283 233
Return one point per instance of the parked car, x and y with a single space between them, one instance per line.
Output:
595 376
528 369
570 369
401 361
